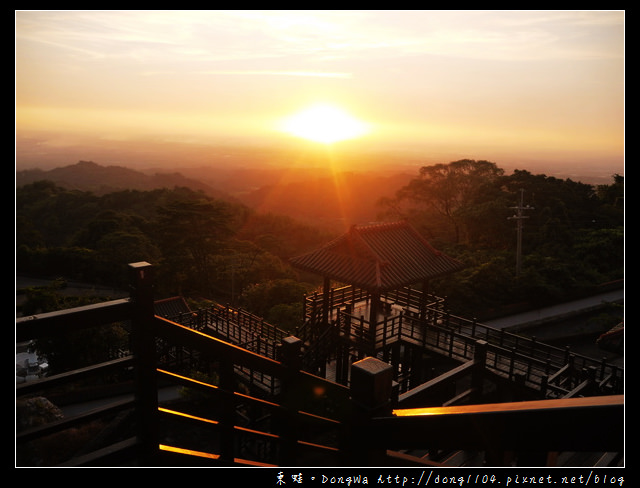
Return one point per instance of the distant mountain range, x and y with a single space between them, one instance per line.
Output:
89 176
309 195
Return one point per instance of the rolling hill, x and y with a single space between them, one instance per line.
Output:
312 196
89 176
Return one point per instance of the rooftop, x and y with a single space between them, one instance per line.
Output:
378 257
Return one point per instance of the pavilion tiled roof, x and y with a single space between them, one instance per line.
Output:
170 308
378 257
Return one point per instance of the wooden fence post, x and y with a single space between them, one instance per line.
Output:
143 345
291 358
371 395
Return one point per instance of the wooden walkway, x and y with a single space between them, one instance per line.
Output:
329 352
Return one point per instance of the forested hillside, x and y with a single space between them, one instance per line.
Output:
219 249
308 194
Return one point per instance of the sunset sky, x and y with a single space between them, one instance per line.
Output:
542 86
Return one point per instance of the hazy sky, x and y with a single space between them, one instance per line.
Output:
479 84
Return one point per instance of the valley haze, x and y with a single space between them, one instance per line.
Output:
205 161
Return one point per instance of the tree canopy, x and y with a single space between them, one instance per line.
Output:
201 246
573 234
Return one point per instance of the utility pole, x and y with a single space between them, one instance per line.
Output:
519 217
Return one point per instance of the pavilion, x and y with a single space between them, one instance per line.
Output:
377 258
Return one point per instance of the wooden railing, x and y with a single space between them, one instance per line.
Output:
314 304
548 369
346 296
56 324
414 318
224 418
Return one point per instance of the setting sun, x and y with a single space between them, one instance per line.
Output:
324 123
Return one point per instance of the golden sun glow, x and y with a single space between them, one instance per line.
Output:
324 123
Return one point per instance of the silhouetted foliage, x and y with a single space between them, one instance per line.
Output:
199 245
447 191
573 234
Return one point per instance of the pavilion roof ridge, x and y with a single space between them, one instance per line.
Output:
356 229
355 233
378 256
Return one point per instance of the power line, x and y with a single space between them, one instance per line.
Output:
519 217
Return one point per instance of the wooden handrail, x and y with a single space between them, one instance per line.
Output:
587 424
522 407
35 386
55 323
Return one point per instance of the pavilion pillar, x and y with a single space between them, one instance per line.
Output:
423 299
326 301
373 321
